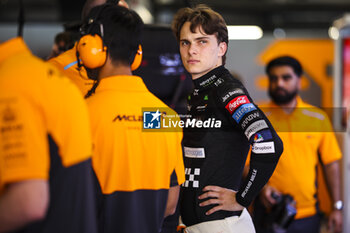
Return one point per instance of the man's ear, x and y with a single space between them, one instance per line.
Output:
222 48
300 82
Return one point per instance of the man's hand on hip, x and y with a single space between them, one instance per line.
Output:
224 199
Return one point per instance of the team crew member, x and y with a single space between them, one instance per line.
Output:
67 62
63 41
46 182
306 132
211 197
139 172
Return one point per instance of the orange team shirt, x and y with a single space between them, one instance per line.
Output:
136 159
36 100
68 65
305 132
135 168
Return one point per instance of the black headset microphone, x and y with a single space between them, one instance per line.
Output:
20 19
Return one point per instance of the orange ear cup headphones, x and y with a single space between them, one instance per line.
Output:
91 51
137 60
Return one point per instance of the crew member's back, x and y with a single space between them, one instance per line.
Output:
134 167
45 135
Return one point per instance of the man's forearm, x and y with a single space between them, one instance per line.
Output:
260 171
173 198
22 203
332 175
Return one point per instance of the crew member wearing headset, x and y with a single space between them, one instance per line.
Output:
139 172
67 62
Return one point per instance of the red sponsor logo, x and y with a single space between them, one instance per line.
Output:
236 102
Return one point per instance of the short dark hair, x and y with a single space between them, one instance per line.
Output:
64 41
122 30
203 16
285 61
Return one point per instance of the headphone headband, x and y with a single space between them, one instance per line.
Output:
87 26
91 49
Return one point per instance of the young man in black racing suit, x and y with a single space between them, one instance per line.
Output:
223 123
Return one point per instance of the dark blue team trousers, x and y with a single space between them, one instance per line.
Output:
306 225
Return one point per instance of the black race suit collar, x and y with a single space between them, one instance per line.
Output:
207 80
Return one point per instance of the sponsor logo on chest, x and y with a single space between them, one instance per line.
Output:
201 108
249 118
262 135
195 153
242 110
236 102
218 82
231 93
208 81
263 148
255 127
